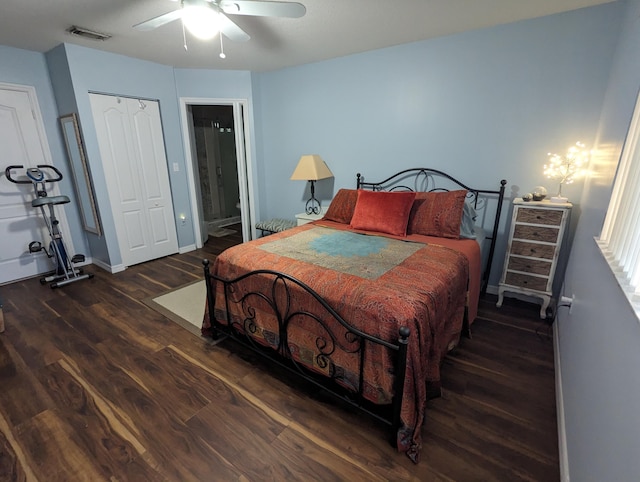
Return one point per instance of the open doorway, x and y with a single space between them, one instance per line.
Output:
217 167
216 150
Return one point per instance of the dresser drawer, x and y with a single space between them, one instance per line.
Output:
536 233
534 266
540 216
526 281
534 250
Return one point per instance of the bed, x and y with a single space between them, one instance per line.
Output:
366 302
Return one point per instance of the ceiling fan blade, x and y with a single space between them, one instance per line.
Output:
158 21
263 9
231 30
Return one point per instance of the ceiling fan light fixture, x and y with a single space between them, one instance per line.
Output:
201 21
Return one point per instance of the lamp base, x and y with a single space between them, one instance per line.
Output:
559 199
312 206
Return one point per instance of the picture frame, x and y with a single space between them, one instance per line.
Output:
81 173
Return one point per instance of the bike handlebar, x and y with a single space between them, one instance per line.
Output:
39 167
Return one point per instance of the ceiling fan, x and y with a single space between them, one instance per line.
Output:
205 18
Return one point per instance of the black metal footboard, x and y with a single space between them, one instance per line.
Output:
256 293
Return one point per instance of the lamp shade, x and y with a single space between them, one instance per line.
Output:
311 167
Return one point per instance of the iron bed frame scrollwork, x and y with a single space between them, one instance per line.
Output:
354 342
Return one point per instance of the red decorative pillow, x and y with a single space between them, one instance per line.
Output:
385 212
342 206
437 214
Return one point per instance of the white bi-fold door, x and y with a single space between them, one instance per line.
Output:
131 146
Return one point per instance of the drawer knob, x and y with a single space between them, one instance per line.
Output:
538 217
533 250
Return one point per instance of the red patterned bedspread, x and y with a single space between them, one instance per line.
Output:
425 290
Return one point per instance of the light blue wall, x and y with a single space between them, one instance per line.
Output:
66 104
94 71
225 85
107 73
600 340
24 67
483 106
66 75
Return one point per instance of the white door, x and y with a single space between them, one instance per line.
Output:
23 142
244 174
131 145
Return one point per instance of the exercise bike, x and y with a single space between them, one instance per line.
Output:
65 272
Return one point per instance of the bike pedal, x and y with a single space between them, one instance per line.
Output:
35 246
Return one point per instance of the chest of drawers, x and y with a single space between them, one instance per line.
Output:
535 245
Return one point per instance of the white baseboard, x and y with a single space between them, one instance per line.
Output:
107 267
492 289
562 433
186 249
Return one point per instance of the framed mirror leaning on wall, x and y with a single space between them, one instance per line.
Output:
81 174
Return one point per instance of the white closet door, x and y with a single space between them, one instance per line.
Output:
131 145
23 142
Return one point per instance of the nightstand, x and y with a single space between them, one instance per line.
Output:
535 246
304 218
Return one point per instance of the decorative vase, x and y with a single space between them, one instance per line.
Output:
539 193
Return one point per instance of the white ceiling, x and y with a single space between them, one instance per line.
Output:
330 28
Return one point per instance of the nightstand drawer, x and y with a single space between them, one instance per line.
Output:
536 233
534 250
540 216
526 281
534 266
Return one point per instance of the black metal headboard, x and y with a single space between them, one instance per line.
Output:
423 179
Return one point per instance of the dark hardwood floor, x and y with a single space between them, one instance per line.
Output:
95 385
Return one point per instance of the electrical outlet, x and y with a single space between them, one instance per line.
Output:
573 298
566 301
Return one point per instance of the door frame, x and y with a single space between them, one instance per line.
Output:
243 155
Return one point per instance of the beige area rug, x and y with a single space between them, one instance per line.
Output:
220 232
183 305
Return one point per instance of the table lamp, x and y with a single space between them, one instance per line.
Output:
311 168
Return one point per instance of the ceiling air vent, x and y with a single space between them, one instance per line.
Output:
86 33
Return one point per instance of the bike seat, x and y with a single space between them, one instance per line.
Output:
45 201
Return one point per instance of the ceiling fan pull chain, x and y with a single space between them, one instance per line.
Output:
184 36
222 55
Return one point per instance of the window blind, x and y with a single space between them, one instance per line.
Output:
620 237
